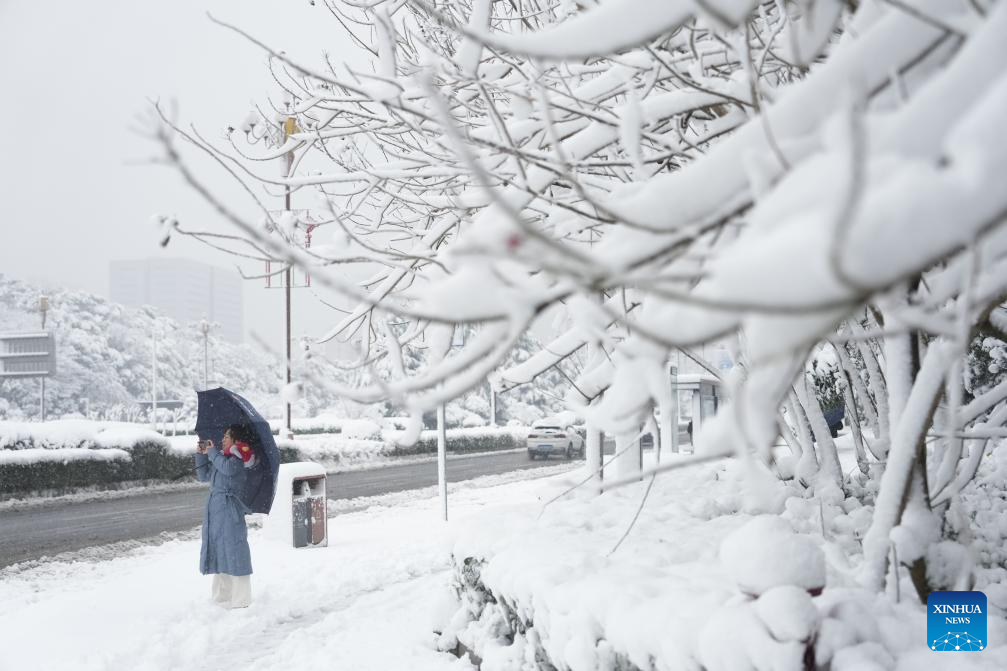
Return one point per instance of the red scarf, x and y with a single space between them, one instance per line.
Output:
240 450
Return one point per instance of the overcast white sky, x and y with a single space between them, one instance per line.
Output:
74 79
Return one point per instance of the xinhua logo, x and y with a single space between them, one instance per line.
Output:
956 621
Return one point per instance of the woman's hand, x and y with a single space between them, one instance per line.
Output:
203 445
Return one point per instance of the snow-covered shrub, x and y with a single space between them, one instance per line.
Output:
579 585
825 372
766 554
55 470
361 429
987 364
56 456
776 631
9 412
461 440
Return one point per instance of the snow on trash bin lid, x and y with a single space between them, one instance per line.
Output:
277 524
766 553
300 469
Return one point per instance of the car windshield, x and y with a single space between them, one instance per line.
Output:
547 428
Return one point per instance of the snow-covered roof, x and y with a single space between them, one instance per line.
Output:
696 378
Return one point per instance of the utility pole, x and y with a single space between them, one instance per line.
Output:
43 306
594 450
442 460
204 326
289 128
668 430
153 380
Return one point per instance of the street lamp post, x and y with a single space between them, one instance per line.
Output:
493 405
153 380
442 456
204 327
43 306
457 340
289 128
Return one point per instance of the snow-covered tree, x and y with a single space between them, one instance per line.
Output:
797 174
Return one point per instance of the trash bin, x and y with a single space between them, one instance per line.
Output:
299 510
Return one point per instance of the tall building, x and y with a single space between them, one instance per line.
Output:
187 291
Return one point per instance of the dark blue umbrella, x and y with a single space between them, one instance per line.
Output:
220 408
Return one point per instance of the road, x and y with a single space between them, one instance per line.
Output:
38 531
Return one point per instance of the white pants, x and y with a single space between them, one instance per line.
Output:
232 591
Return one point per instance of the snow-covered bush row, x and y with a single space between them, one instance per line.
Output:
54 470
334 451
69 433
815 182
476 439
86 434
344 450
459 441
54 456
35 455
63 454
718 574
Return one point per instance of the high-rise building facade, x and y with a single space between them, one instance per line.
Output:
187 291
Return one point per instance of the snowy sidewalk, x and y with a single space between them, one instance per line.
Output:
368 601
373 599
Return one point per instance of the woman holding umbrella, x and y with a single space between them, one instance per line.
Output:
225 552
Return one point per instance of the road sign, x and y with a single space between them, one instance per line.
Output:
30 354
167 404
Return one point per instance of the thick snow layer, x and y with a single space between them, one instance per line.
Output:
292 393
37 455
788 612
75 433
674 595
766 553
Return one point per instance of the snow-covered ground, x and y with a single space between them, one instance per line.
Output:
369 600
717 574
669 596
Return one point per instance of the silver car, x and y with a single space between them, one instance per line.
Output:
546 440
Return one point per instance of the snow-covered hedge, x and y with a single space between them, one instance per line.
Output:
58 469
69 433
720 572
374 445
64 454
334 450
475 439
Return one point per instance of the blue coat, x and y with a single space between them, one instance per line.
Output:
225 536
